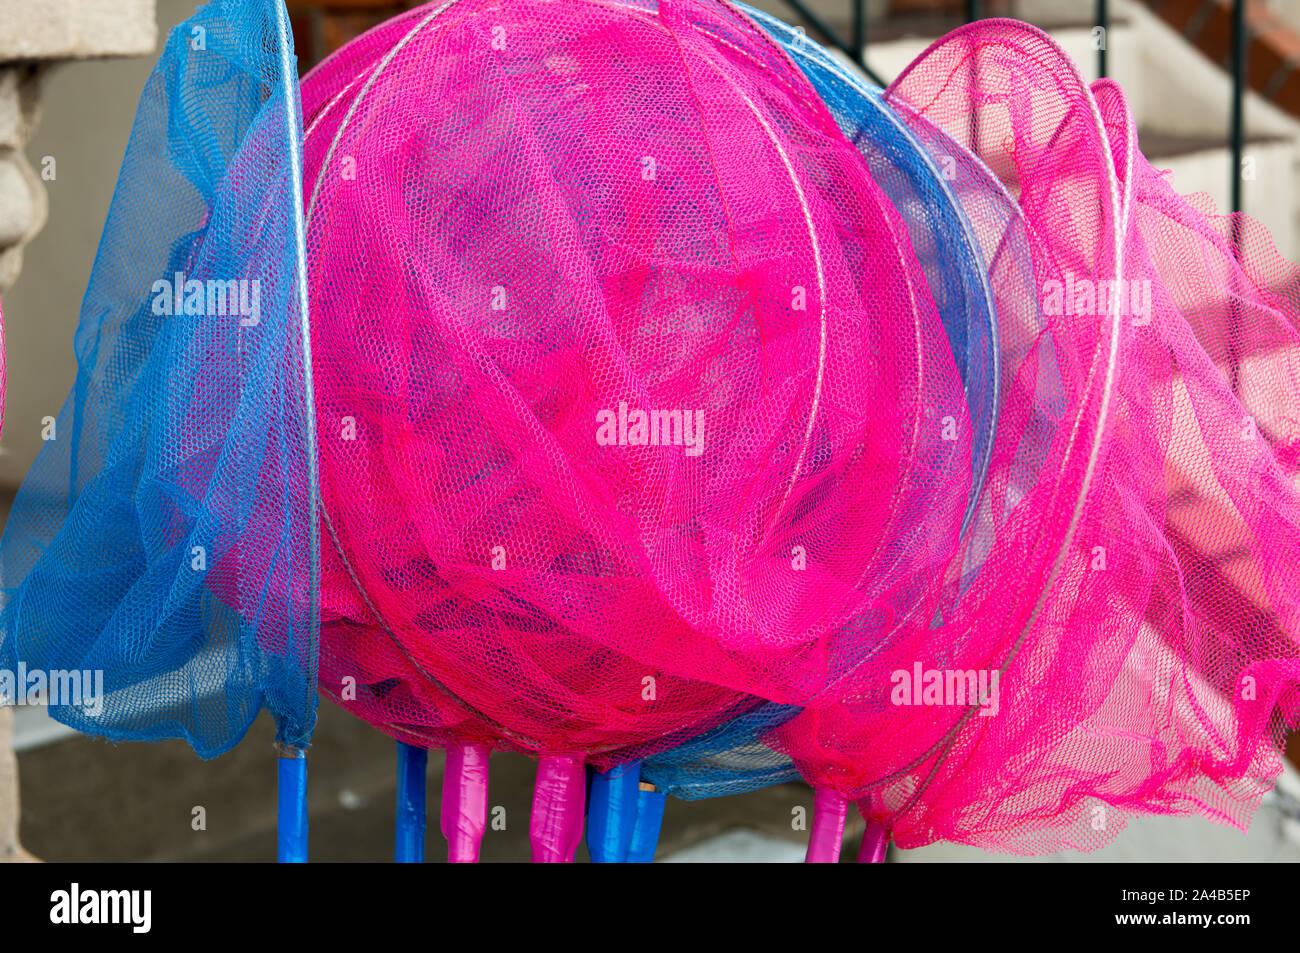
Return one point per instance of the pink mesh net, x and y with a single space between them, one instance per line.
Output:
635 409
1129 643
634 406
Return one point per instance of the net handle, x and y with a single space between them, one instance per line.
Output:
412 765
555 828
464 801
827 835
611 813
875 843
291 804
650 806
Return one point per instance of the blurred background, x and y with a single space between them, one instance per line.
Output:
71 72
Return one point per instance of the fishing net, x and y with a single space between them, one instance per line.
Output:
630 383
1128 644
732 759
165 536
881 737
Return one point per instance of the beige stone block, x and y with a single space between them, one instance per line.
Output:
19 96
75 29
10 850
20 206
24 207
11 262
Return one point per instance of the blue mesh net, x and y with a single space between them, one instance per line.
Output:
166 535
732 759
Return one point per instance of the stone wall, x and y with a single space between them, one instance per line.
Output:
34 35
23 204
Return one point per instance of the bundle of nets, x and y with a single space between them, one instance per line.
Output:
1128 643
633 395
924 189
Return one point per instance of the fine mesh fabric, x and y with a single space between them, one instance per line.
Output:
1139 602
526 222
731 759
941 234
166 533
866 738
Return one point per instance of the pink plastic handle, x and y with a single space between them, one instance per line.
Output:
555 829
875 842
829 810
464 801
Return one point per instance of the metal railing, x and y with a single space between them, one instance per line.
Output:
856 49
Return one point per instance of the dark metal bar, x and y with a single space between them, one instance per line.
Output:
974 10
827 31
1238 97
860 32
820 25
1103 21
1238 134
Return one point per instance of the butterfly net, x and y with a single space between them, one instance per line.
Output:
630 382
1133 620
732 759
165 536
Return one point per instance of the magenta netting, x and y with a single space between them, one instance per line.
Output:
1138 604
533 227
527 214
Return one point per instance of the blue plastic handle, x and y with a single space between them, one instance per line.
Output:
291 829
412 765
649 820
611 813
